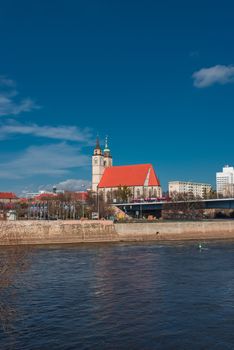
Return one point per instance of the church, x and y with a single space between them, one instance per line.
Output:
141 179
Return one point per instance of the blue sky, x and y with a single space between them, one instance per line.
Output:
156 76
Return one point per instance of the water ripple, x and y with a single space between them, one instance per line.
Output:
126 296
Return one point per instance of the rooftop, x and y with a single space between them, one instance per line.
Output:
129 175
8 195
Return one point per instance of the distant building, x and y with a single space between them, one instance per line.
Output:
8 197
194 188
67 195
80 196
30 195
141 179
225 181
45 196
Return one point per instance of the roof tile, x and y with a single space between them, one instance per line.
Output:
128 175
7 195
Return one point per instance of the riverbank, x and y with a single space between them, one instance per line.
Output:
50 232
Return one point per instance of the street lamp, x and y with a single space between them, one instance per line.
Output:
82 196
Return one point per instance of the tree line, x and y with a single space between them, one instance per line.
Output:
60 207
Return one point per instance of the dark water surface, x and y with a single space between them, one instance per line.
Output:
126 296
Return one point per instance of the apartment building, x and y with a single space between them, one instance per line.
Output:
194 188
225 181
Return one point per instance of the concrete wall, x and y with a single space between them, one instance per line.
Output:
47 232
176 230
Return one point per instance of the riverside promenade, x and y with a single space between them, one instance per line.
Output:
64 232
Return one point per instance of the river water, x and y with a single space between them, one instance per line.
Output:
126 296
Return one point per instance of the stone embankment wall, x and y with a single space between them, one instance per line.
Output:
48 232
177 230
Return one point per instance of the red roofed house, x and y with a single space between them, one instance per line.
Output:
44 196
140 178
7 197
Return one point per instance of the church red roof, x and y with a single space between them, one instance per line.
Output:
128 175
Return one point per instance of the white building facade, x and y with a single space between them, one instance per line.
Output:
194 188
225 182
100 161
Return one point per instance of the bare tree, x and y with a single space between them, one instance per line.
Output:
123 194
212 194
183 206
97 203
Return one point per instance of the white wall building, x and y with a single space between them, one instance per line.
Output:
100 161
225 181
194 188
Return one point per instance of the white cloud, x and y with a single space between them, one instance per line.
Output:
52 160
9 107
9 103
68 185
4 81
219 74
63 132
73 185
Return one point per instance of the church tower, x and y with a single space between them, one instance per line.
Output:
107 155
97 166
